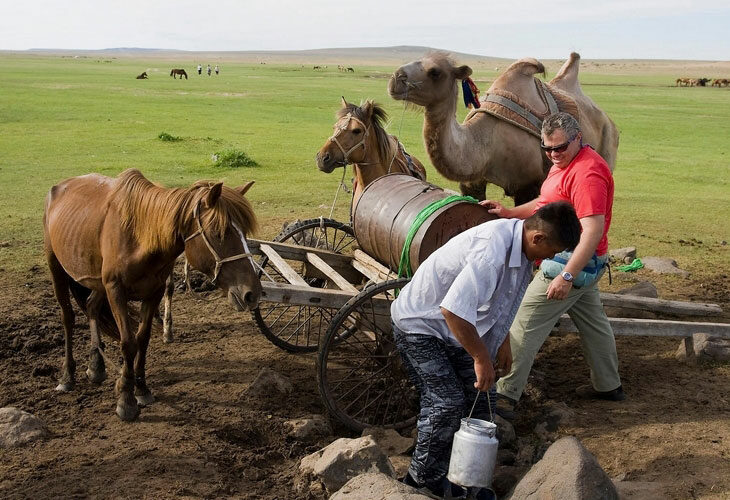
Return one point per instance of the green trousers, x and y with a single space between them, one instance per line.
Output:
535 319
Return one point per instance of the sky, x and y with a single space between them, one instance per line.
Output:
605 29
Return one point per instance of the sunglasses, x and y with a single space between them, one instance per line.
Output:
556 149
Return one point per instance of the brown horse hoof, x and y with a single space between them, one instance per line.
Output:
65 387
144 399
167 339
96 377
127 412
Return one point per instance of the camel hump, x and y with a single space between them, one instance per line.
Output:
567 77
527 66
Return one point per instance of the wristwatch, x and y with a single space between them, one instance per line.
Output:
566 276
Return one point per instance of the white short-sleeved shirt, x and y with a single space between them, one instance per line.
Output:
479 275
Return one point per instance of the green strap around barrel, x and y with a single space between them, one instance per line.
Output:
404 267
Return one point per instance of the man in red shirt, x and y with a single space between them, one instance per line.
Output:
580 176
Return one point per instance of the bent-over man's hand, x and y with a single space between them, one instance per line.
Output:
485 374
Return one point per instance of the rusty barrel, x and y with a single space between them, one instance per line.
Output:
389 205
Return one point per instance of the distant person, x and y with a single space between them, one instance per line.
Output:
200 69
208 70
216 69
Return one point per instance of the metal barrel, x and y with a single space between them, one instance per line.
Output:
389 205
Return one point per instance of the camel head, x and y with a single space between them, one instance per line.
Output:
430 80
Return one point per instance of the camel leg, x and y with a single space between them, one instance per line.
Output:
476 189
147 311
96 372
167 336
526 194
127 408
63 296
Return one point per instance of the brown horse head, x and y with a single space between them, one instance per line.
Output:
215 241
354 131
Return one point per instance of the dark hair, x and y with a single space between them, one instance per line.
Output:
559 222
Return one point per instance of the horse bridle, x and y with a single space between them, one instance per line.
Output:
218 261
342 128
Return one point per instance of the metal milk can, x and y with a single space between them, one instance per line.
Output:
474 453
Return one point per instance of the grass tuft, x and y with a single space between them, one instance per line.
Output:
164 136
233 158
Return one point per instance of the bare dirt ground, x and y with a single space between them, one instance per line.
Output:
203 438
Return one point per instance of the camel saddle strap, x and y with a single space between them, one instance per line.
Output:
409 162
510 108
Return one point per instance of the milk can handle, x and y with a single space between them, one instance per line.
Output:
489 403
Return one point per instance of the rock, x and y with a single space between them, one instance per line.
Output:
18 427
663 265
505 433
641 289
558 414
389 440
622 255
267 381
643 490
400 464
567 471
525 452
344 459
705 347
542 432
308 428
376 486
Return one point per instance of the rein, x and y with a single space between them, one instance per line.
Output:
218 261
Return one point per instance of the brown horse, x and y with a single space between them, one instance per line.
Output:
142 76
360 139
109 241
180 72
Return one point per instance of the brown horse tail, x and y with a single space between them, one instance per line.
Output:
105 321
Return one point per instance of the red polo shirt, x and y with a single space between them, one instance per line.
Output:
587 183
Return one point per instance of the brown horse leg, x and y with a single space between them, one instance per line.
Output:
63 296
147 311
476 189
127 408
96 372
167 336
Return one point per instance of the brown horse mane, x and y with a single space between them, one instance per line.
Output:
158 216
378 118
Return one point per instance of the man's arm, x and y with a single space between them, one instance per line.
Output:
519 212
590 237
467 336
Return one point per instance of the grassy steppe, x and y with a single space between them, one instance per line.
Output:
62 116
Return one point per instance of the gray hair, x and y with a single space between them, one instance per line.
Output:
562 121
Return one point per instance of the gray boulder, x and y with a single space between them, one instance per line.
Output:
505 433
268 381
641 289
376 486
705 347
567 471
663 265
342 460
389 440
308 428
622 255
18 427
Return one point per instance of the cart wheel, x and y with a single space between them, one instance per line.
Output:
297 328
361 378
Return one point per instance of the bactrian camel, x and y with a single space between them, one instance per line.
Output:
485 148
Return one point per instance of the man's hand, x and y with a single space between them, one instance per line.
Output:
559 288
485 374
504 358
495 208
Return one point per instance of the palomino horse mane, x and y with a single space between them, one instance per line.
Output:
157 216
377 120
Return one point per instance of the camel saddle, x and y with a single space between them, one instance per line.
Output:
510 108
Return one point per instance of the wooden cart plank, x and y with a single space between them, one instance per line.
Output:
308 296
376 269
654 327
298 252
285 269
660 305
341 282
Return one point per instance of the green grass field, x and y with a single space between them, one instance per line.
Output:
62 116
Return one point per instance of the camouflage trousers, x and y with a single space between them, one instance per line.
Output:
444 376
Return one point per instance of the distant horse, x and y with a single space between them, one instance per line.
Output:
683 82
142 76
350 70
316 67
360 139
112 240
180 72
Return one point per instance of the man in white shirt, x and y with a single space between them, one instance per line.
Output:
451 324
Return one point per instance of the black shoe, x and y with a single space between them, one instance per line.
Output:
421 488
505 407
588 392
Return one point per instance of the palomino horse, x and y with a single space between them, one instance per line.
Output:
360 139
109 241
180 72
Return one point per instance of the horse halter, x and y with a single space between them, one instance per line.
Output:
218 261
342 128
